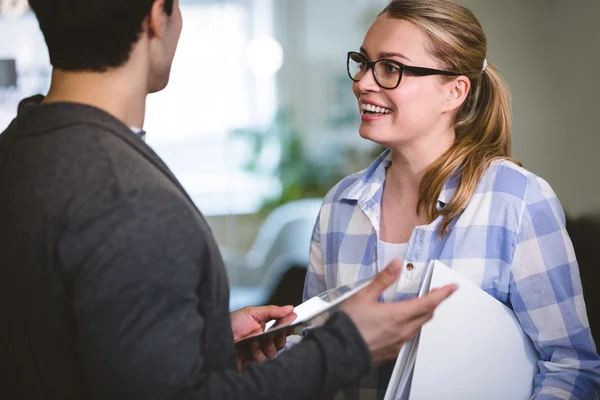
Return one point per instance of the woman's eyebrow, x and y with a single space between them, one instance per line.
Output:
384 54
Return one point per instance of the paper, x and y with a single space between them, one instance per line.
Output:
473 348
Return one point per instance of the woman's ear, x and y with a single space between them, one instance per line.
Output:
456 91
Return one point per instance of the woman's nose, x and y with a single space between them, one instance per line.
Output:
367 82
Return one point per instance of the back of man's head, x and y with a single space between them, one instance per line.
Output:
92 35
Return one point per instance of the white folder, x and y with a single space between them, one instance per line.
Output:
473 348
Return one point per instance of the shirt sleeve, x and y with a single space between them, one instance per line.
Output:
547 297
145 301
315 276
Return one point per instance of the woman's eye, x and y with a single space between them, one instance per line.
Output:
391 68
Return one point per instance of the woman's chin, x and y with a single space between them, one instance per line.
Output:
377 136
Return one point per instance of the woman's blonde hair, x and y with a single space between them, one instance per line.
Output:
482 123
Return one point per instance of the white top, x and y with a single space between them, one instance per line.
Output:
389 251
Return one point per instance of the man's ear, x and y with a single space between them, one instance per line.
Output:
457 91
157 19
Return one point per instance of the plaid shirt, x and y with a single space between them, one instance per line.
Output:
510 240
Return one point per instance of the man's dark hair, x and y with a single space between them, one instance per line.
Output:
91 35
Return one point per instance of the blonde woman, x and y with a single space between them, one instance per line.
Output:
448 189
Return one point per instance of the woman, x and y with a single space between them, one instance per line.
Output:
447 189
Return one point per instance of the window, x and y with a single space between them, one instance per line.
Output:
211 92
22 46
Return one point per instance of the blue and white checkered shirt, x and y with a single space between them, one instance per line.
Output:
510 240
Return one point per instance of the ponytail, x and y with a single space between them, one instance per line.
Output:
483 134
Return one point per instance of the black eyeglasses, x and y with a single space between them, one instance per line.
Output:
387 73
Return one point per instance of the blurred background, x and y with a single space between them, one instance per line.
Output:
259 120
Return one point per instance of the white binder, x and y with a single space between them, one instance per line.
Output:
473 348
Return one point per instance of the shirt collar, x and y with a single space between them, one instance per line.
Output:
139 132
371 181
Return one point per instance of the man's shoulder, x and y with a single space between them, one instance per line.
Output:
68 150
75 163
58 120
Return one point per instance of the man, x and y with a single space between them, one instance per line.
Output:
112 285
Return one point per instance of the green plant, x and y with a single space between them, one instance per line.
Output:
301 173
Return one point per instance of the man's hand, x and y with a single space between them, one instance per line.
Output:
252 320
385 327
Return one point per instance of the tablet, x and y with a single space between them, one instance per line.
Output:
310 309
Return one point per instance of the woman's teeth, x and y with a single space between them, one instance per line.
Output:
370 108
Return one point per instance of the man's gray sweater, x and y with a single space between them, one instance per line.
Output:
112 286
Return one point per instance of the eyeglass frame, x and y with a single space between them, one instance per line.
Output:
418 71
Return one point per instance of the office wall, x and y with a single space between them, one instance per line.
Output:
549 52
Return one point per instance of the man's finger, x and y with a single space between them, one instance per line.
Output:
419 307
256 351
288 319
383 280
436 296
280 339
413 326
268 346
267 313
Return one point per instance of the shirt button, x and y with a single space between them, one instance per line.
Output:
409 266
